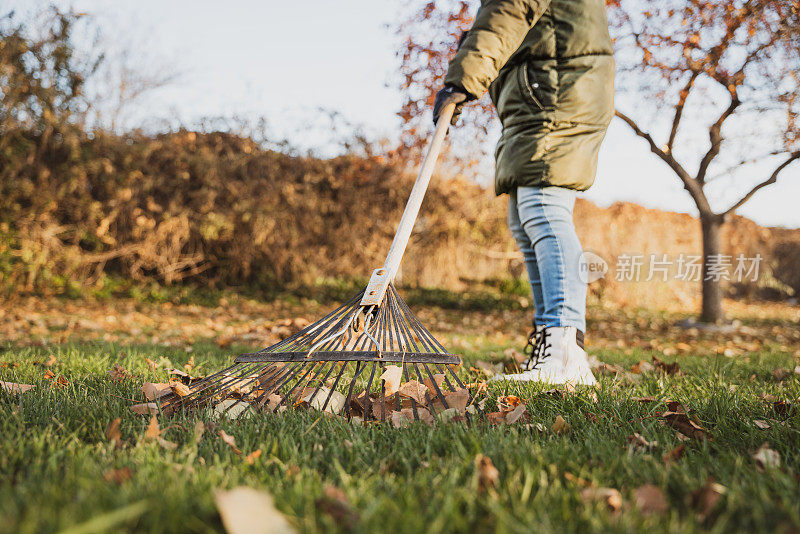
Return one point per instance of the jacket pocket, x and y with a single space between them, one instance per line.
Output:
537 83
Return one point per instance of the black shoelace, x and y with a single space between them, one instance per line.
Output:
536 349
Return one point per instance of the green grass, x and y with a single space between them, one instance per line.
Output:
54 456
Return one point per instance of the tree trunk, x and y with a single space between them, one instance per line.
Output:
712 289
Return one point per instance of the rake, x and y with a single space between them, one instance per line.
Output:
370 358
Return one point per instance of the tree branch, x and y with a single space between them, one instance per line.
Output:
684 94
690 184
769 181
715 136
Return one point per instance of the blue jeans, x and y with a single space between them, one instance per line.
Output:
540 219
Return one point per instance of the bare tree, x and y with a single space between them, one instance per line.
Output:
728 68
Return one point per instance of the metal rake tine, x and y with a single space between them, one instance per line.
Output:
427 397
413 402
333 387
300 381
359 370
367 398
436 386
214 387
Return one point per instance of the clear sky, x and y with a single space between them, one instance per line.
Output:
284 60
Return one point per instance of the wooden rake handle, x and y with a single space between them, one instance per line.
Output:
381 278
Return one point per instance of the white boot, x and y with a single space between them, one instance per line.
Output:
559 360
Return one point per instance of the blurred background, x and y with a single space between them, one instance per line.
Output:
271 145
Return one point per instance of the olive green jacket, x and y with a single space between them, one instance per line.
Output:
549 69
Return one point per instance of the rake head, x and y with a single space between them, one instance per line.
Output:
374 362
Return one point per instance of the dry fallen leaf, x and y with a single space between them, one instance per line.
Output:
232 409
118 476
560 426
488 475
118 373
705 499
155 390
400 419
335 404
199 429
57 381
11 387
674 454
508 403
609 496
667 368
153 430
780 373
638 442
180 389
253 456
392 376
334 503
642 367
145 409
151 364
650 499
766 458
249 511
230 441
457 399
113 433
763 425
516 414
415 390
438 380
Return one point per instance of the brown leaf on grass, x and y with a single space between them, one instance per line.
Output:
560 426
113 433
516 356
56 381
118 373
188 366
153 432
12 387
705 499
145 408
272 401
608 496
249 511
180 389
766 458
642 367
686 425
252 457
416 390
516 414
392 376
638 442
763 425
496 418
783 407
489 369
438 379
118 476
199 429
666 368
582 482
457 399
400 419
674 455
508 403
779 373
650 499
488 475
230 441
151 364
183 377
334 502
155 390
